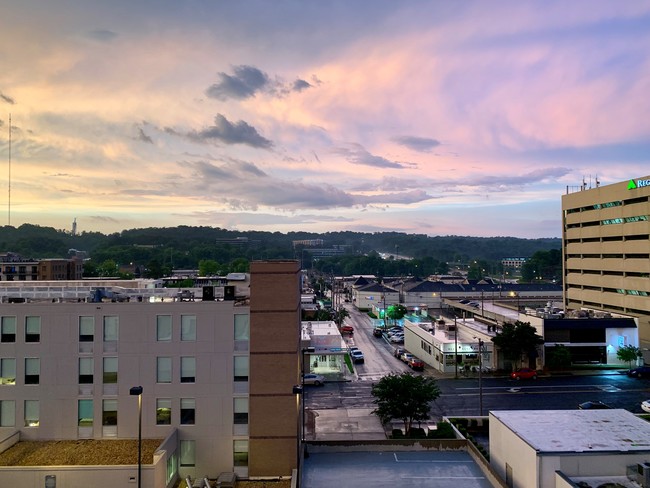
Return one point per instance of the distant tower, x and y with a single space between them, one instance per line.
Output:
74 227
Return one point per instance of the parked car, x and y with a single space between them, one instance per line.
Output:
524 373
313 379
416 364
406 357
645 406
347 329
640 372
397 339
398 351
593 405
394 332
357 356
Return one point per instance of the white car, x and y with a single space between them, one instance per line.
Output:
645 406
313 379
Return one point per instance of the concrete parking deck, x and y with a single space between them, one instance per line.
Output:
430 469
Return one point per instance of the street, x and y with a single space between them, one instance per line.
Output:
462 396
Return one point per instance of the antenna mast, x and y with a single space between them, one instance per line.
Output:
9 206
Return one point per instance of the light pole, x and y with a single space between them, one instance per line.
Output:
298 391
480 377
137 391
455 347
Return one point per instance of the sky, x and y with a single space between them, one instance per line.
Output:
429 117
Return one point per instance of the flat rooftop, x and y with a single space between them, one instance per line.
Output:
558 431
444 469
79 453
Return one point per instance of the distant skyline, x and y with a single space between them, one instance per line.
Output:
429 117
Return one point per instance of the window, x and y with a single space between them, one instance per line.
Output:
85 413
164 328
86 371
188 411
171 467
32 329
188 327
163 411
188 453
242 327
7 413
7 371
240 409
109 412
163 370
240 453
31 413
110 370
111 328
188 370
32 371
8 329
86 329
241 368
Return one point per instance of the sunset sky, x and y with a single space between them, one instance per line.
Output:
430 117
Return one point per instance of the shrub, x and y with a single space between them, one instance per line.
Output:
397 434
444 431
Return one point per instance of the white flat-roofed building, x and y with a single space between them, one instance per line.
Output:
543 449
213 373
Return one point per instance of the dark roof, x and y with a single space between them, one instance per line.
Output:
360 281
377 288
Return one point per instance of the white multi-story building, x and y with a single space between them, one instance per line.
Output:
67 367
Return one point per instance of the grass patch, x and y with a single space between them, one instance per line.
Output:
348 362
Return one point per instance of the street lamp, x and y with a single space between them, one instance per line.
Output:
455 347
137 391
298 391
480 377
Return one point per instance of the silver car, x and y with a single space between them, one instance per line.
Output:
313 379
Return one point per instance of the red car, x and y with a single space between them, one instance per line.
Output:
416 364
524 373
347 329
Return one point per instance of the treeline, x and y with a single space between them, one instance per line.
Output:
161 249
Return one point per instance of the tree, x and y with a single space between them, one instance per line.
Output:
208 267
396 312
405 397
340 315
628 354
558 357
516 340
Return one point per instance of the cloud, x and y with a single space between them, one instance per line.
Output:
143 137
403 198
247 81
356 154
420 144
7 99
228 133
300 85
102 35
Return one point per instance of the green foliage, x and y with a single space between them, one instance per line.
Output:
396 312
444 430
405 397
516 340
544 266
558 357
209 267
185 246
340 315
628 354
